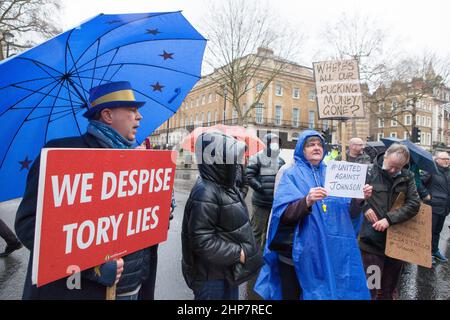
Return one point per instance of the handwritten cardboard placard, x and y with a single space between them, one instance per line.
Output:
410 241
345 179
338 89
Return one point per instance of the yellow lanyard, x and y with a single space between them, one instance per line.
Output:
324 206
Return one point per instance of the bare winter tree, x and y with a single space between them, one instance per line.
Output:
398 81
248 46
406 84
361 38
20 17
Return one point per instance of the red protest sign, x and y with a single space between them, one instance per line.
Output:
96 205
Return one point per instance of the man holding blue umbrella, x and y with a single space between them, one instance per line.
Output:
114 118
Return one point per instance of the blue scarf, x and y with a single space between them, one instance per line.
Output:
108 137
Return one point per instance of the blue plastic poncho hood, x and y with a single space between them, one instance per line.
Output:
325 253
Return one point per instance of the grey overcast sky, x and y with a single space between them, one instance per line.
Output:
415 25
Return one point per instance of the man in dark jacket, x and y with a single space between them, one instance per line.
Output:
437 194
113 121
388 178
356 152
261 172
219 250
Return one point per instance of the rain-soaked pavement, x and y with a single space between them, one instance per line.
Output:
416 282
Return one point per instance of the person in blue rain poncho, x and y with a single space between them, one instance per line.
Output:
311 250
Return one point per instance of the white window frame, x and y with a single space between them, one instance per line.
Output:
394 122
278 115
311 95
208 118
408 120
259 113
296 93
393 134
259 86
405 135
394 105
380 122
278 90
234 116
312 124
296 117
380 135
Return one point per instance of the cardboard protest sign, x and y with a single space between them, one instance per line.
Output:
338 89
345 179
410 241
96 205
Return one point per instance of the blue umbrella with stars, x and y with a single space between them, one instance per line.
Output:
44 91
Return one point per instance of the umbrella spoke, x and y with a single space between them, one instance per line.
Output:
50 115
150 98
111 30
23 123
145 65
26 97
45 107
109 65
39 64
25 81
36 91
65 115
131 43
95 64
73 112
81 96
114 74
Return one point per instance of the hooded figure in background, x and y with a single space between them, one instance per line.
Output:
261 172
218 246
311 251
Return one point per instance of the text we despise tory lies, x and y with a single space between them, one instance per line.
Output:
73 189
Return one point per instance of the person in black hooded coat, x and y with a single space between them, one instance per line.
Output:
218 246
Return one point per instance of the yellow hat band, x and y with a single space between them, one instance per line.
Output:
122 95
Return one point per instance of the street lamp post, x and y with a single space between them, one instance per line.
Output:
225 91
167 135
8 38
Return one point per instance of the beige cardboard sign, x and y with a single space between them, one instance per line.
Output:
338 89
410 241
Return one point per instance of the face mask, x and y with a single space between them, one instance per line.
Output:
274 147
